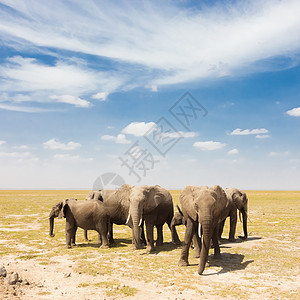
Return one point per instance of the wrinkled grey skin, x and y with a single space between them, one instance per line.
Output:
237 200
88 215
116 203
201 207
154 205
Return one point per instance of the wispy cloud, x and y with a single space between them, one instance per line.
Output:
233 152
102 96
295 112
176 134
19 157
22 147
176 44
239 131
53 144
279 154
71 158
262 136
209 145
27 109
71 100
2 142
119 139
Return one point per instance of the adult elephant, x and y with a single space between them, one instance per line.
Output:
237 200
88 215
117 204
154 205
201 206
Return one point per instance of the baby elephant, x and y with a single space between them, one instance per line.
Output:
88 215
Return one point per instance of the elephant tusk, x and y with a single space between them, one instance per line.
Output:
240 216
199 230
140 223
127 219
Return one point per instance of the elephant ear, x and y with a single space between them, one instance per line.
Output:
221 195
63 208
240 199
187 200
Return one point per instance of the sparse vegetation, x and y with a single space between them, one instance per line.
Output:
267 263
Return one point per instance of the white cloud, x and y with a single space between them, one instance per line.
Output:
71 158
71 100
102 96
27 109
262 136
176 134
209 145
209 42
295 112
27 79
239 131
139 128
2 142
22 147
15 154
55 145
119 139
18 157
233 152
279 154
154 88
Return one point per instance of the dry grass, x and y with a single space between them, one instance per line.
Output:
268 263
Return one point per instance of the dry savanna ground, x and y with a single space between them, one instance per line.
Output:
266 266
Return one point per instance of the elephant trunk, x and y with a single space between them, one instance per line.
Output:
206 238
245 217
51 220
136 222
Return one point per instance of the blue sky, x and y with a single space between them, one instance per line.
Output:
85 88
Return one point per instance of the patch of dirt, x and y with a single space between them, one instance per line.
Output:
59 280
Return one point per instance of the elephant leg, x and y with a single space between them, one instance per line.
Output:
189 232
233 221
69 227
175 237
73 238
160 239
86 236
103 233
197 245
110 234
150 240
143 238
221 227
99 241
215 240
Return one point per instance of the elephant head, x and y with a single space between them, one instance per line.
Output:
57 211
240 199
178 218
93 195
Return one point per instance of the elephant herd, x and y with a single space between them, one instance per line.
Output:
203 212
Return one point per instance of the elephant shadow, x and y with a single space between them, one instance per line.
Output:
239 240
166 247
118 243
229 262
